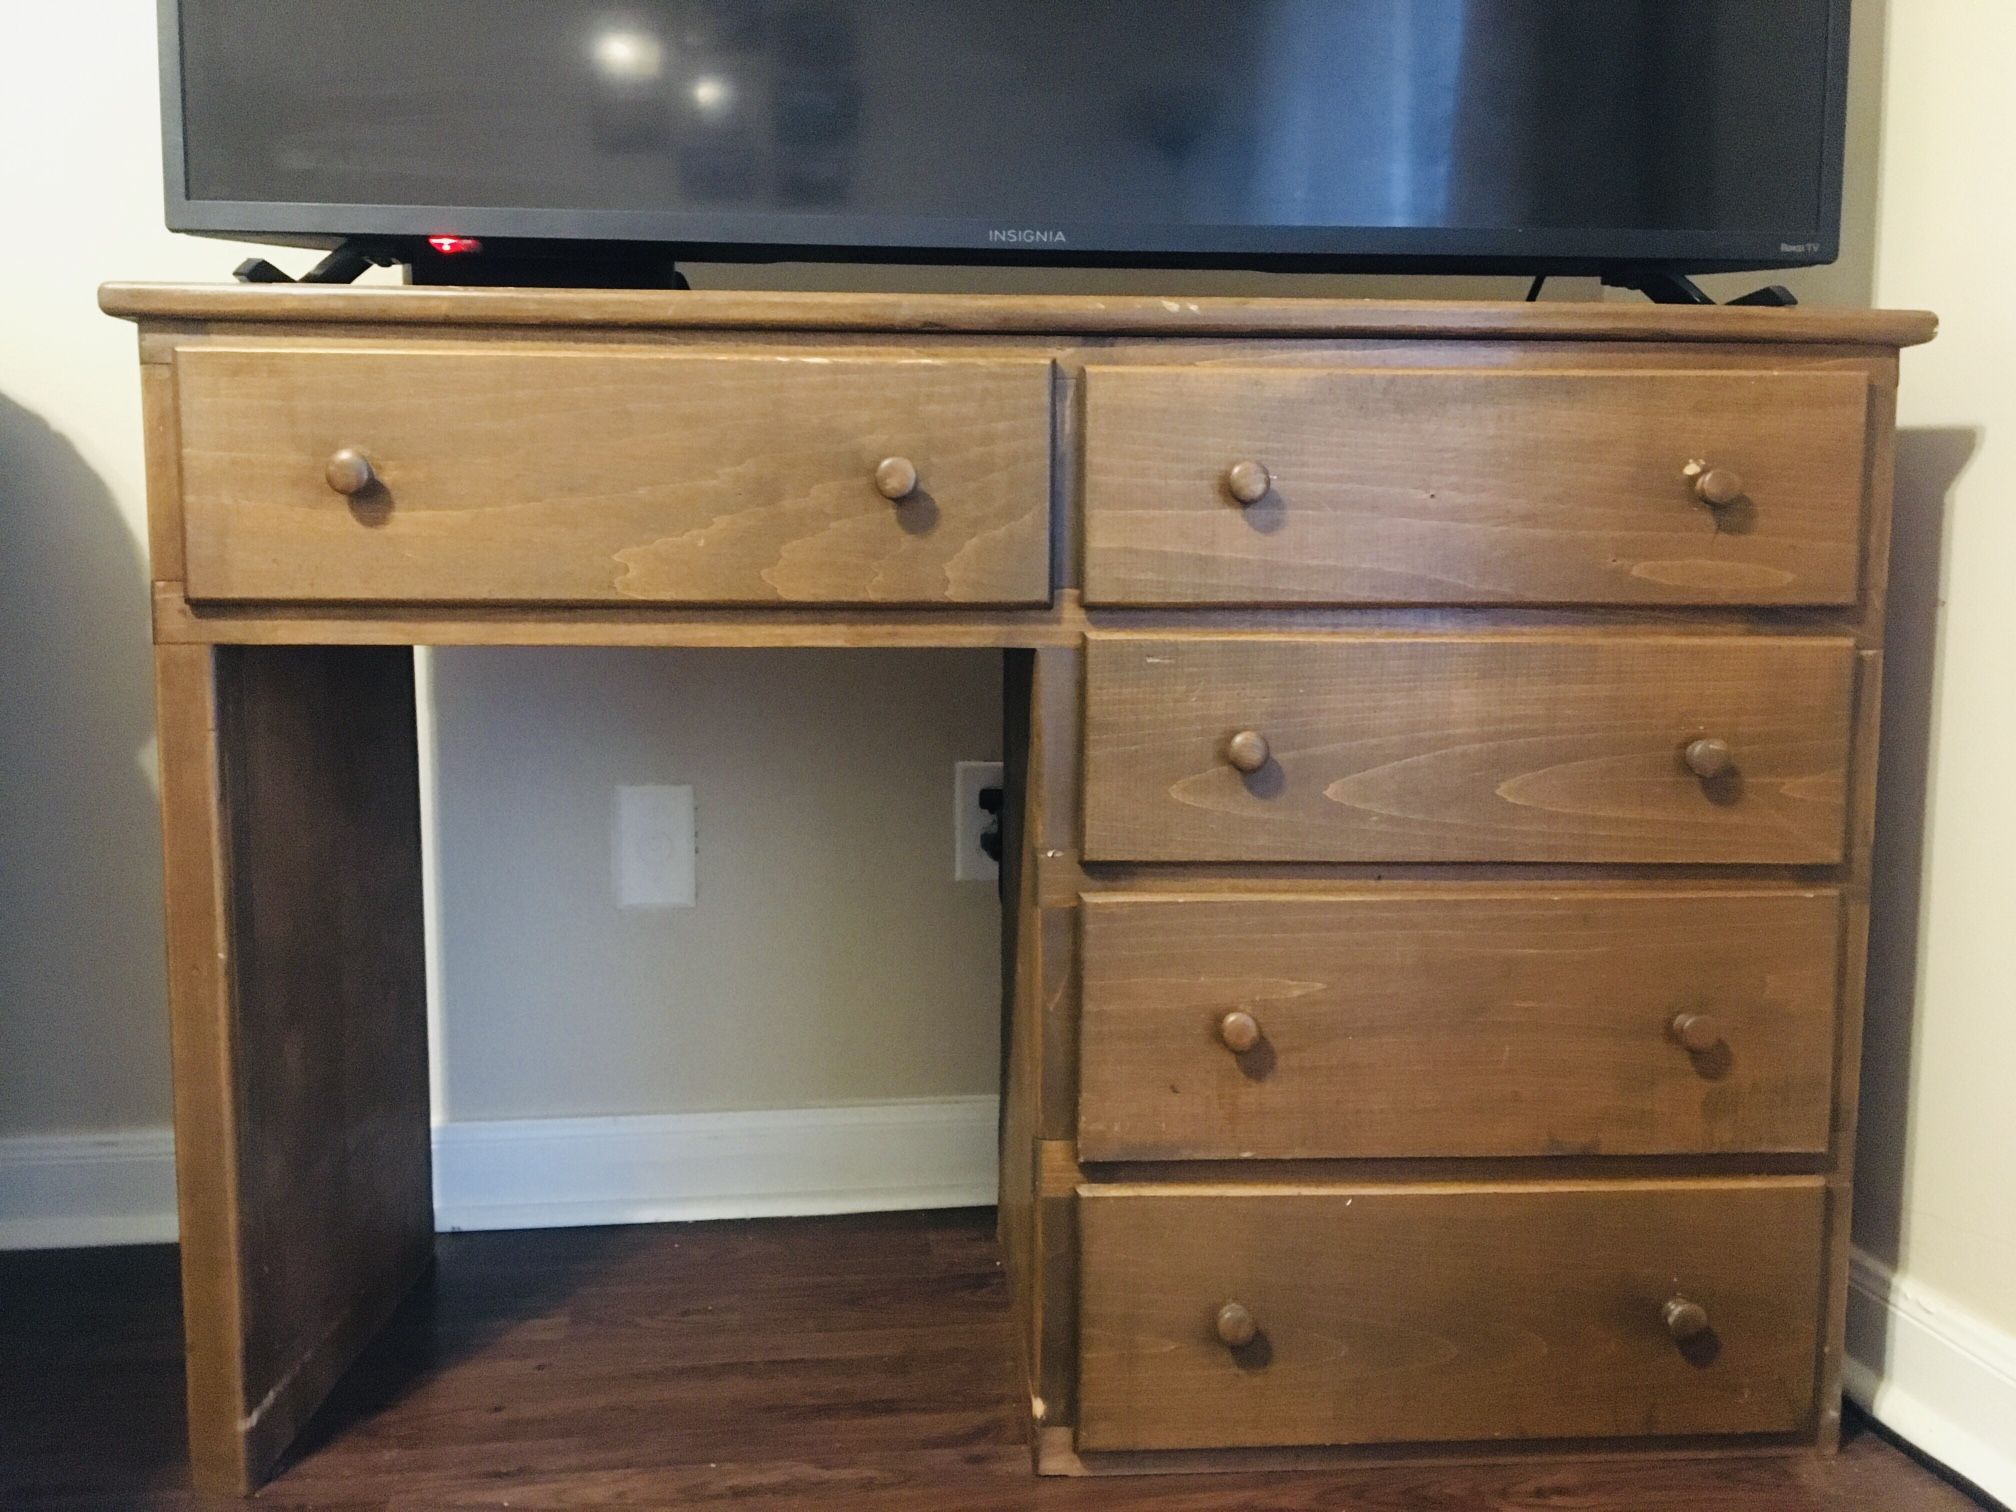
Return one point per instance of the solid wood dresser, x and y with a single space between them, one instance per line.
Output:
1442 746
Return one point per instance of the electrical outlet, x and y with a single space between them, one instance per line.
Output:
655 847
971 822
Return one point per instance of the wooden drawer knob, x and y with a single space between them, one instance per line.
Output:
1717 487
1248 751
1685 1320
1239 1031
349 471
1697 1032
1249 482
1711 758
1236 1325
896 478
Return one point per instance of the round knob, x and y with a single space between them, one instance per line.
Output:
1709 759
1240 1031
1685 1320
1236 1325
1248 482
349 471
1717 487
1247 751
896 478
1698 1033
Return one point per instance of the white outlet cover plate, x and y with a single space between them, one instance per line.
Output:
654 848
970 821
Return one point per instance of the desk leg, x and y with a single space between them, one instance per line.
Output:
290 816
1042 736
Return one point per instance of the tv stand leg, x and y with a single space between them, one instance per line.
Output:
346 264
1666 287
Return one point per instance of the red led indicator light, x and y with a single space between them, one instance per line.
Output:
452 246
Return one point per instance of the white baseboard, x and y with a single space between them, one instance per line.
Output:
677 1167
58 1191
1939 1377
61 1191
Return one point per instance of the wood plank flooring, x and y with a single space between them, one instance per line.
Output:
844 1363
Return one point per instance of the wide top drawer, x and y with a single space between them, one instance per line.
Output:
1285 486
465 475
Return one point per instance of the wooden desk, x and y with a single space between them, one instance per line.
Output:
1442 753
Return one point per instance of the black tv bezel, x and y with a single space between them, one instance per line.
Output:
712 236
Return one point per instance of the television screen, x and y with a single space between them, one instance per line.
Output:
1539 135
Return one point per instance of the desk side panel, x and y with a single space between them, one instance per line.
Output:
290 802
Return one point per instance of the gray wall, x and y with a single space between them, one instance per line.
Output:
829 958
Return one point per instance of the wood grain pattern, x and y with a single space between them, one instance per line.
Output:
1396 1314
1472 487
1019 1204
613 477
1473 748
290 810
1009 314
195 840
161 421
1402 1022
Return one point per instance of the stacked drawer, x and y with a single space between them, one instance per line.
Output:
1504 894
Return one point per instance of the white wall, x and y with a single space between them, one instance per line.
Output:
83 1041
830 957
1934 1326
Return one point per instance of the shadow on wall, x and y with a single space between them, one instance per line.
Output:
1929 465
81 973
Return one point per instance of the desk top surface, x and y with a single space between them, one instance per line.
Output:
1011 314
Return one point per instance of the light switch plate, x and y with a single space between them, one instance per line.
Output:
970 821
655 848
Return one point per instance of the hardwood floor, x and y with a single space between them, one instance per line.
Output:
839 1363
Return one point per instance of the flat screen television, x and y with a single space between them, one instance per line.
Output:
1532 136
